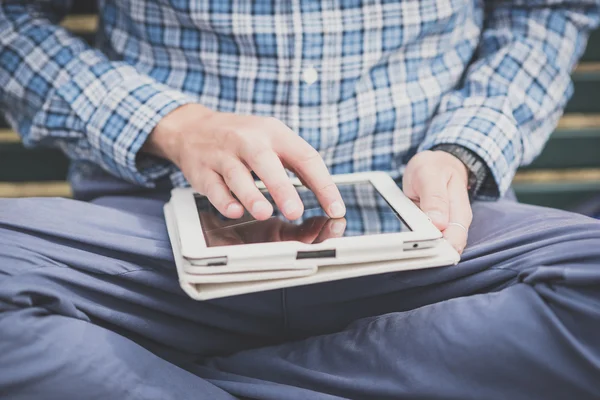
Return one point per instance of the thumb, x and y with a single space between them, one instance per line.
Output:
433 197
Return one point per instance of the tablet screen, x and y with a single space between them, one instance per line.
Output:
367 213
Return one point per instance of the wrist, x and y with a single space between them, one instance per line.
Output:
454 164
165 139
477 170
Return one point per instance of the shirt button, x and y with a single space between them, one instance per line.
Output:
310 75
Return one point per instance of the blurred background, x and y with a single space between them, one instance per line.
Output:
566 175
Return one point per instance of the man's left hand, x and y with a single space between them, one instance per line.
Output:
437 182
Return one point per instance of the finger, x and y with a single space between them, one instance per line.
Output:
460 215
213 187
268 167
289 167
238 179
310 168
432 189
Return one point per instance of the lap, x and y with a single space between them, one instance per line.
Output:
109 266
120 248
517 318
115 268
507 241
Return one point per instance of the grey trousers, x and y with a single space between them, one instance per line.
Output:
90 308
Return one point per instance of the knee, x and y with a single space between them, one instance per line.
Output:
521 230
491 219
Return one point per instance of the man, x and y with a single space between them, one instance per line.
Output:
450 96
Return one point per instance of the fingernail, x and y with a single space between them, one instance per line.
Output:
337 210
260 207
233 208
289 207
338 227
436 216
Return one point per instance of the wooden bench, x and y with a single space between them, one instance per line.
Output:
566 173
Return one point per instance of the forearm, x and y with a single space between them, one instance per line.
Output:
165 139
57 91
515 91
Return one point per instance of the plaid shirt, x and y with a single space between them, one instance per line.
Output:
367 83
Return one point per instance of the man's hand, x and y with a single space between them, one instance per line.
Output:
437 182
217 152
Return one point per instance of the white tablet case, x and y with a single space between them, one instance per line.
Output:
208 286
353 249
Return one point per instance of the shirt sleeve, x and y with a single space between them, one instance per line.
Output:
515 90
57 91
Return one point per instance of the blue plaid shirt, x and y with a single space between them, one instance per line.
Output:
366 82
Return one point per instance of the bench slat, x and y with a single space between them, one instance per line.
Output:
81 24
564 195
18 164
570 149
36 189
586 81
8 136
84 7
592 52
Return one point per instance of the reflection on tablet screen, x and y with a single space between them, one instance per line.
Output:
367 213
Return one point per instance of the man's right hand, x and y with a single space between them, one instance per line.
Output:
217 151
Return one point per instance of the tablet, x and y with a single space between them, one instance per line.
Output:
381 223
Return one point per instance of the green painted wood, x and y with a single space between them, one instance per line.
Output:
570 148
84 7
586 98
89 38
563 195
18 164
592 52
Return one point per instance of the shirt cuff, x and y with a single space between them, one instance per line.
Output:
117 107
122 123
177 179
488 133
